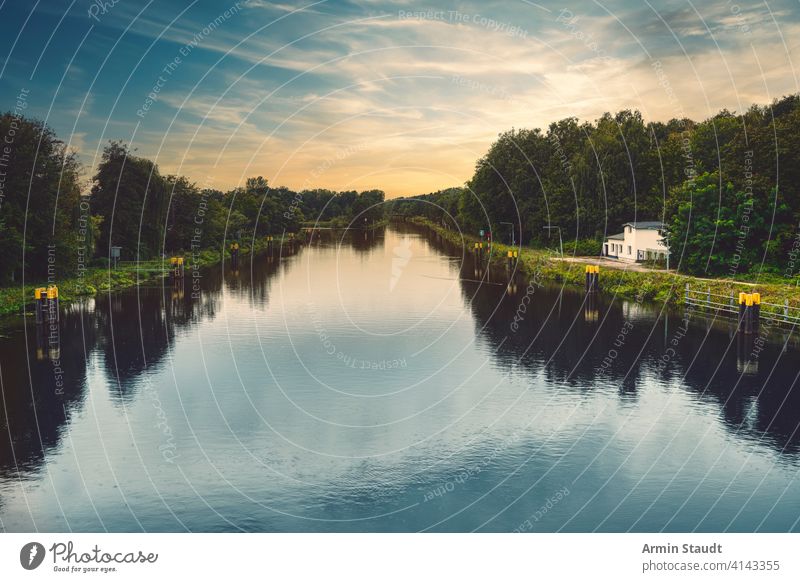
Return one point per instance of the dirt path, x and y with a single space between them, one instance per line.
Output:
613 264
639 268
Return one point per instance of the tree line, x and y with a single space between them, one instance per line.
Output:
727 188
52 224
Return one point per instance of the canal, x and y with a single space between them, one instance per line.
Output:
380 381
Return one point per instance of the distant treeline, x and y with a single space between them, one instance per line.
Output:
47 228
728 188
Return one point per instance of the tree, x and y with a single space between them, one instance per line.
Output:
132 196
39 202
723 230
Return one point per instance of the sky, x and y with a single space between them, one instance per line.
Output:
401 96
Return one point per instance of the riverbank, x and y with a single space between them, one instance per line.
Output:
641 285
343 224
100 279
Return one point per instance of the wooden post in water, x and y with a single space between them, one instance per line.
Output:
40 297
52 304
592 278
742 308
756 315
748 313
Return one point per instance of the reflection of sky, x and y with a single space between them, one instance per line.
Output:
264 422
357 94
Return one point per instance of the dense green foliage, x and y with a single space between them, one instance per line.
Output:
39 201
728 188
49 231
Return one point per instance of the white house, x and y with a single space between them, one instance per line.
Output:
638 241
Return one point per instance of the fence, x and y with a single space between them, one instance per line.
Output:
728 304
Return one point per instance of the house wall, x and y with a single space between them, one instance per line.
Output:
630 241
650 239
638 239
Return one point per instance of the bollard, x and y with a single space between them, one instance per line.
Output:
742 308
510 260
748 313
40 297
756 312
592 278
52 304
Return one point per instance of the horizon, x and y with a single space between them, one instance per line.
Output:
373 95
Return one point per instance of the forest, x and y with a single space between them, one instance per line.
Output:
727 188
52 224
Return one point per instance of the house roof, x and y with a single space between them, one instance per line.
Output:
620 236
646 224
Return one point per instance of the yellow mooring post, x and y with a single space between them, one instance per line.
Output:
749 312
52 304
756 315
592 278
40 297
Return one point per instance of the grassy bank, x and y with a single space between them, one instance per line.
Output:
100 279
652 286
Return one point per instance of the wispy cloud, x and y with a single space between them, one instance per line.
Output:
396 95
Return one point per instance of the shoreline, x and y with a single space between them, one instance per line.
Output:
15 300
657 285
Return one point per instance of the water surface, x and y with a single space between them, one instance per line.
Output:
379 381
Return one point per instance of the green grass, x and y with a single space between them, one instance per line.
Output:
15 299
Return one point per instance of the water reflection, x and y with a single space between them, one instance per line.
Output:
266 413
586 341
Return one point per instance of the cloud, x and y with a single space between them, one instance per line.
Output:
278 88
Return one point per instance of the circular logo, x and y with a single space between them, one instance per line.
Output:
31 555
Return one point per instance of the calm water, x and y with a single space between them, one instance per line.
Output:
379 385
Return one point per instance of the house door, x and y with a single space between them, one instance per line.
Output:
639 255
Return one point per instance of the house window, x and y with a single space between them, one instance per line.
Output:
629 250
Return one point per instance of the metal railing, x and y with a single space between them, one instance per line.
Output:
728 304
